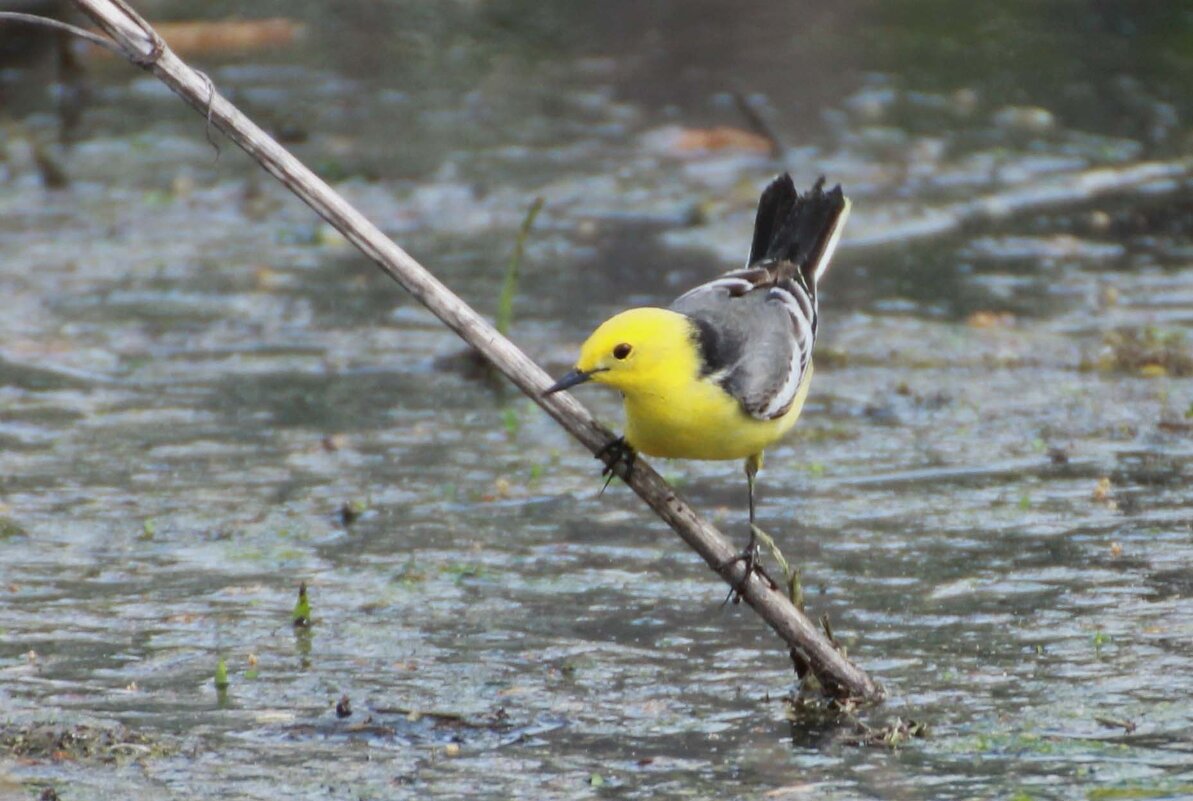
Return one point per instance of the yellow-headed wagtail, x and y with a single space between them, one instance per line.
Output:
723 372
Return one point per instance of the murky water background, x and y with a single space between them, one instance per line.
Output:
988 497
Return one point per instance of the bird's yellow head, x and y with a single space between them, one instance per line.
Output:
637 351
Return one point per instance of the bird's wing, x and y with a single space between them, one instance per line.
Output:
757 325
755 337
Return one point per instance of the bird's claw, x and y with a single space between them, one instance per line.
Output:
753 562
617 451
750 556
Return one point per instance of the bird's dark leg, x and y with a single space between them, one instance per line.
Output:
618 450
750 554
751 471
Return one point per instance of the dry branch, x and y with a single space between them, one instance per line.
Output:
143 46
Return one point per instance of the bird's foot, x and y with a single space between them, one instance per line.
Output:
751 556
617 451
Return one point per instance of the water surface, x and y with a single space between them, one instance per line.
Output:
988 493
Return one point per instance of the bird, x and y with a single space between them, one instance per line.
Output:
722 373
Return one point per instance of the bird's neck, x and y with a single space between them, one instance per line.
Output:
675 370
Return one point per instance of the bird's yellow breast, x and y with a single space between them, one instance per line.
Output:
697 419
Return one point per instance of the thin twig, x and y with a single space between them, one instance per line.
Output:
144 46
757 123
46 22
210 101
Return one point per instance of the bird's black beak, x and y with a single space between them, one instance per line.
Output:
570 380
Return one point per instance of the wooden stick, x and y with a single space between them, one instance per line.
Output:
141 44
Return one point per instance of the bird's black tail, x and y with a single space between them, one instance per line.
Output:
802 230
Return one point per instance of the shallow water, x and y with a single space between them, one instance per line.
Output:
196 376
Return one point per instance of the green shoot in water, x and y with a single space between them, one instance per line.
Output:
221 675
505 305
302 609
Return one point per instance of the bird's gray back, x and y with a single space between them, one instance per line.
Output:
748 340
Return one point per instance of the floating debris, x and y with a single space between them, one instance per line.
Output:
79 743
1058 455
1101 493
1026 119
351 511
893 735
1148 352
333 442
694 142
226 37
990 319
1128 726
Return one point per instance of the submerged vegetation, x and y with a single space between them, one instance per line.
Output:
1149 351
46 742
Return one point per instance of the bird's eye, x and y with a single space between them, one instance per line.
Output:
622 350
